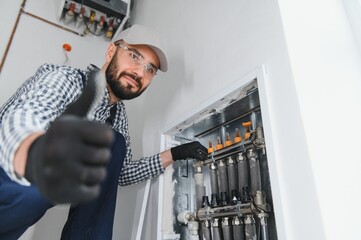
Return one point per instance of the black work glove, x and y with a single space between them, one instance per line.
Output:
189 150
68 162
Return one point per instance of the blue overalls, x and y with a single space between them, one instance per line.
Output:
21 206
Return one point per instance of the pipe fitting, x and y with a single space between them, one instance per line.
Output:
263 218
240 157
215 223
230 161
259 198
185 216
225 221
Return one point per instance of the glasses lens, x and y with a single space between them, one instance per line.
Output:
149 70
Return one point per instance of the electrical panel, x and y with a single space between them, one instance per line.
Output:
100 18
228 196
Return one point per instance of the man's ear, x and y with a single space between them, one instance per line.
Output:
112 49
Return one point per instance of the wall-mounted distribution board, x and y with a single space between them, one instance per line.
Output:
101 18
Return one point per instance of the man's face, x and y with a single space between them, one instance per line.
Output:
126 75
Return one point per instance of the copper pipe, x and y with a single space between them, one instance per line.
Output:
12 36
51 23
34 16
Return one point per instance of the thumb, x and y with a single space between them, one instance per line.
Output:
92 92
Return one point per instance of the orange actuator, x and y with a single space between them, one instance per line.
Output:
238 137
247 125
219 145
228 141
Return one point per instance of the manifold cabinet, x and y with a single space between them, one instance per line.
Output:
228 196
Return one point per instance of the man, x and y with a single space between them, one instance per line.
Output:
64 139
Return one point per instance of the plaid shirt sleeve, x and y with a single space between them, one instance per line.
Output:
139 170
134 171
36 103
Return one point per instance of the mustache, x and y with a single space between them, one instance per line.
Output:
135 77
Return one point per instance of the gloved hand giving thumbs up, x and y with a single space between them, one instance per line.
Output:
68 162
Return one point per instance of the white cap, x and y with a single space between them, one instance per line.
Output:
142 35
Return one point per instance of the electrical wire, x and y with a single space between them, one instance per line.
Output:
88 28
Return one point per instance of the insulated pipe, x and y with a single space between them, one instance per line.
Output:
214 184
216 230
188 218
222 174
255 171
227 229
250 228
232 178
200 192
193 227
206 230
200 188
243 173
238 228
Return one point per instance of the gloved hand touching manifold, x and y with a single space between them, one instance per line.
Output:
189 150
68 162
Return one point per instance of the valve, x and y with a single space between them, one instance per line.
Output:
238 137
247 125
210 147
219 145
228 141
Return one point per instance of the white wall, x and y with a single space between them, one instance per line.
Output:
313 72
327 72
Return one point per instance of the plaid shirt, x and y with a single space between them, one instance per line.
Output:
42 98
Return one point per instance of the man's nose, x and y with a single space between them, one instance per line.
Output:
139 70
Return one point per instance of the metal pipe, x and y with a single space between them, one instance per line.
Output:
216 230
51 23
227 229
238 228
255 171
231 150
226 211
232 177
259 142
243 173
250 228
264 226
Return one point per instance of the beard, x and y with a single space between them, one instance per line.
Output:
122 91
